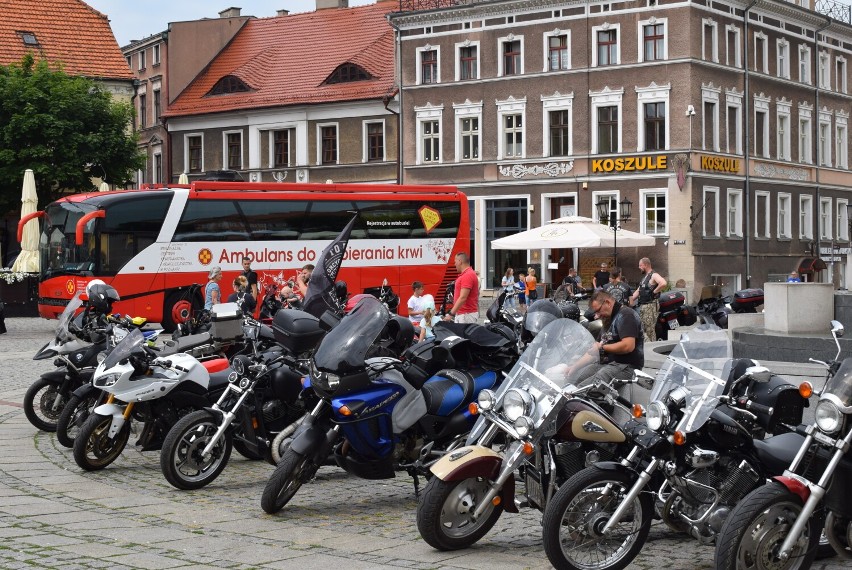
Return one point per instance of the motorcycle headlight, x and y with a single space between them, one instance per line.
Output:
106 380
486 399
233 377
523 425
516 403
657 415
828 417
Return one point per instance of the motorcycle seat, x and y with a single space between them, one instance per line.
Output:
447 391
219 379
777 453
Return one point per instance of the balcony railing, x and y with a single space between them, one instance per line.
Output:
834 10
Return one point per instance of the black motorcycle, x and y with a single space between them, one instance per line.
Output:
713 308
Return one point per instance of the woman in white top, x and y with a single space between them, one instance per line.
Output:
508 284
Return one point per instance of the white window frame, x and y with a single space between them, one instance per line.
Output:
643 195
142 59
783 58
511 106
606 26
714 48
430 113
840 72
457 64
806 216
841 139
734 206
156 54
783 111
500 43
653 21
730 28
598 195
157 156
319 128
735 100
557 102
419 71
186 138
826 220
225 165
762 196
714 205
805 135
710 94
607 98
652 94
764 42
467 110
761 105
824 134
842 220
824 70
291 142
365 143
785 215
546 46
804 64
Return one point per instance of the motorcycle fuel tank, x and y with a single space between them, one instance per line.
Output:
583 421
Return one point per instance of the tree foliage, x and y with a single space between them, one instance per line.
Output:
66 129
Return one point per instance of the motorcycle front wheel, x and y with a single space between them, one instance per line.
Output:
73 416
575 518
180 457
94 449
293 470
756 528
43 403
445 513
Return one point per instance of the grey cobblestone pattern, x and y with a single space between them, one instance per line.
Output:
53 515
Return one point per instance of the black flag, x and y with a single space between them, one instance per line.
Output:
320 295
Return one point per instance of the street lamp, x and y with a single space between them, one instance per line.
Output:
605 216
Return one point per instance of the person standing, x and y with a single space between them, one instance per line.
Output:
508 284
415 303
465 307
601 277
647 296
620 290
242 296
250 276
532 293
521 288
212 293
302 279
794 277
572 282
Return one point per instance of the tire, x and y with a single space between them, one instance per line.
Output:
841 543
180 456
73 416
243 449
93 448
293 470
178 308
445 509
758 525
583 492
38 404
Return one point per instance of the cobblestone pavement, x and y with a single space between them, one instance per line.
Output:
53 515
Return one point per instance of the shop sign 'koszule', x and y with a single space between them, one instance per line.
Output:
629 164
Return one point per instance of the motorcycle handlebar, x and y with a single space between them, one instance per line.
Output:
755 407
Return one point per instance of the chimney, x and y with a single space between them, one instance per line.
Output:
324 4
282 12
230 13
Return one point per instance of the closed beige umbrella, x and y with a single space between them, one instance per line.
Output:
104 187
183 178
27 261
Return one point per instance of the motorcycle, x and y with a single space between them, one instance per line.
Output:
713 308
385 294
779 525
546 427
370 415
696 454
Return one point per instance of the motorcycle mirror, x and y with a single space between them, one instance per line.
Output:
759 374
644 380
837 328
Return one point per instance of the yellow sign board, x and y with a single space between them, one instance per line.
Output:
629 164
720 164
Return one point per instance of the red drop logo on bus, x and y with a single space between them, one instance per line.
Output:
205 256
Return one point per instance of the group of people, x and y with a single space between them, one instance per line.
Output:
465 307
520 291
245 288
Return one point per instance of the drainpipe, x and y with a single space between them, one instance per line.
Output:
747 186
399 116
818 209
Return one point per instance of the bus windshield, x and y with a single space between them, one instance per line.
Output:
58 252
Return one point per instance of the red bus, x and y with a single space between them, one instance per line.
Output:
152 244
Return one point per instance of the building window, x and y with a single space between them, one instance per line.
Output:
328 144
732 46
709 41
558 57
229 84
428 70
840 74
141 60
195 152
761 126
468 67
805 155
156 54
783 58
512 61
825 220
375 141
710 120
654 41
143 111
513 136
560 133
761 215
842 220
347 73
805 65
761 53
607 47
783 131
841 145
824 147
735 213
606 116
710 212
157 107
158 169
806 217
503 217
469 133
281 148
734 123
654 214
784 217
430 141
611 197
655 126
234 151
824 70
607 129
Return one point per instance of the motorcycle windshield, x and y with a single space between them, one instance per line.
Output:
559 356
66 316
840 385
344 348
698 364
128 345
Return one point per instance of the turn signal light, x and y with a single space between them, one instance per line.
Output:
529 448
473 408
344 411
806 390
495 501
679 438
638 411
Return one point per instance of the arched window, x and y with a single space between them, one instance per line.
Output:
229 84
347 73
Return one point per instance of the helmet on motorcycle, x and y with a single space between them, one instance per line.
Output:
540 314
569 310
340 290
92 283
101 297
353 300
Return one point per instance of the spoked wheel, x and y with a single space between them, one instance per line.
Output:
445 513
181 458
293 470
43 403
757 527
73 416
576 516
93 447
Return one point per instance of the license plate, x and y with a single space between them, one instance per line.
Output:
673 324
534 492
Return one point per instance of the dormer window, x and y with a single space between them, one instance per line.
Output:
347 73
229 84
29 38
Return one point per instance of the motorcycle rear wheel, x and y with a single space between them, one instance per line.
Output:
444 513
93 448
756 528
73 416
180 458
293 470
574 518
39 401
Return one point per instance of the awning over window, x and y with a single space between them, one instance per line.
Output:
810 265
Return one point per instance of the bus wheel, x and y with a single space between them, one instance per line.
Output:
177 309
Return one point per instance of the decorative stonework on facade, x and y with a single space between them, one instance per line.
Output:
772 171
552 169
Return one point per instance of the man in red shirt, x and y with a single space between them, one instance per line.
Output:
465 307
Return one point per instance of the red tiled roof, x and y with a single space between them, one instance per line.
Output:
68 31
286 59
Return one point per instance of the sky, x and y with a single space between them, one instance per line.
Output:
136 19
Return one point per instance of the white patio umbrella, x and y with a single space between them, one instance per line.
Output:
572 231
183 178
104 187
27 261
